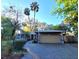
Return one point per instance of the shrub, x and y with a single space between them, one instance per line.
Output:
70 39
18 45
6 47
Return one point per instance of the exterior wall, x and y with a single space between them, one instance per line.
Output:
50 38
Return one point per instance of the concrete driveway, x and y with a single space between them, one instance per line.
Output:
50 51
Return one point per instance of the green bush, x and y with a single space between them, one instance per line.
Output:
6 47
18 45
7 28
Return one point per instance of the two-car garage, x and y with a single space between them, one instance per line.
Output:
53 36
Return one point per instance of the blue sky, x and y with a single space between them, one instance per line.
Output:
44 13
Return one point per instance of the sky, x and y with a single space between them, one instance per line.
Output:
43 15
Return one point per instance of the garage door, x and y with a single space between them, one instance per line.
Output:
50 38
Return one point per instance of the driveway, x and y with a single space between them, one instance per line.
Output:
50 51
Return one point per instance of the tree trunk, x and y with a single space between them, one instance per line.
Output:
30 23
13 37
34 21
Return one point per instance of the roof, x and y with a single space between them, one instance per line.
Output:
51 31
32 33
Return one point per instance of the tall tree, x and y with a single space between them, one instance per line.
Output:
27 12
13 15
68 9
15 22
34 7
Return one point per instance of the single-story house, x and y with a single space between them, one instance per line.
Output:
19 35
50 36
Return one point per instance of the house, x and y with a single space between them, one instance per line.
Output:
19 35
50 36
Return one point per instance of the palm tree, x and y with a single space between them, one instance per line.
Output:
27 12
35 8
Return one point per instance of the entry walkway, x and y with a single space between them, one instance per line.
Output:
50 51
